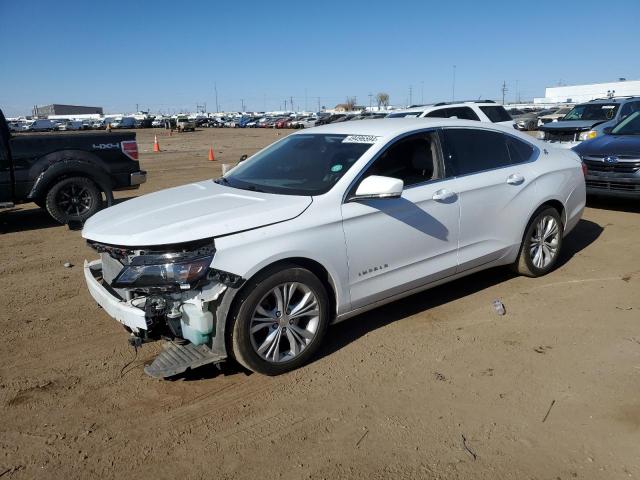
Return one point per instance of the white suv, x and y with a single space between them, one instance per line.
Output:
324 225
479 110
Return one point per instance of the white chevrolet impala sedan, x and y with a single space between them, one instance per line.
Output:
323 225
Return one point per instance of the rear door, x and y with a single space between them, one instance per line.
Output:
496 189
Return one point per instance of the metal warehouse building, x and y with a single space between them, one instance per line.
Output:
584 93
57 109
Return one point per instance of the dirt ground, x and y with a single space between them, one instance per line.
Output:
434 386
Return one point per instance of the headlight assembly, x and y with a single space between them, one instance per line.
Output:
148 271
587 135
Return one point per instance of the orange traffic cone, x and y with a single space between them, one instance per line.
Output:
211 157
156 145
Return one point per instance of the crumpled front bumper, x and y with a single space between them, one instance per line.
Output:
123 311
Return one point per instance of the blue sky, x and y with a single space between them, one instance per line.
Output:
167 55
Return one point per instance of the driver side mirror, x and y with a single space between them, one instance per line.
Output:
243 158
607 130
375 186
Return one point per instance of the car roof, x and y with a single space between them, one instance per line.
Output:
431 106
391 127
611 100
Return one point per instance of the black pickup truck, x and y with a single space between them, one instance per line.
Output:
67 174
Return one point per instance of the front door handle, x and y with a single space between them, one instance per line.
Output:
515 179
443 195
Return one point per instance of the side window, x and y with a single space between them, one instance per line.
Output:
470 150
629 108
519 151
625 110
412 159
463 113
440 113
496 113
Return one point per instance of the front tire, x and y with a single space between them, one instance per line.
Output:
73 199
281 320
541 244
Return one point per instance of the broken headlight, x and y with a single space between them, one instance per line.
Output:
149 271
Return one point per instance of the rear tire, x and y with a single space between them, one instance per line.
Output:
541 244
73 199
281 320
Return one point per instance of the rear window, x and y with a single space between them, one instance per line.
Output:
519 151
496 113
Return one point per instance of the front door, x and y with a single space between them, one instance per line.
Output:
397 244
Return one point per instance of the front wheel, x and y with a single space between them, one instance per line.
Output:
73 199
541 244
281 320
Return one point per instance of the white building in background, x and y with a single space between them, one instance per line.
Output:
584 93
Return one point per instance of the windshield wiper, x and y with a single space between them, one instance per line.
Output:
253 188
221 180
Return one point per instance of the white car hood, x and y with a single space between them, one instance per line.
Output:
190 212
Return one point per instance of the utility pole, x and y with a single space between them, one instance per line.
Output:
517 95
453 85
215 88
410 95
291 98
137 109
285 104
318 104
242 103
504 90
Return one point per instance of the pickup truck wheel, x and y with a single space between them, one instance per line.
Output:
541 244
73 199
282 318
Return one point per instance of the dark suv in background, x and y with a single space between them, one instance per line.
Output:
588 120
613 159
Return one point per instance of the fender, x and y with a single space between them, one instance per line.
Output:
68 163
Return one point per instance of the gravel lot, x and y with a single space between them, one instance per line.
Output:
433 386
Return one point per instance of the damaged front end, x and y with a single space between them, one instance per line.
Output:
165 292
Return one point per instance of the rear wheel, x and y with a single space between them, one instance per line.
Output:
281 321
541 244
73 199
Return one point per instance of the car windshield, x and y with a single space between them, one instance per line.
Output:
299 164
628 126
592 111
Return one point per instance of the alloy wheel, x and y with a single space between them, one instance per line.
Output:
74 199
543 247
284 322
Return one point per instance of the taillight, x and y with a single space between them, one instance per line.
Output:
584 169
130 149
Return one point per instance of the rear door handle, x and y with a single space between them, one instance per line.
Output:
515 179
443 195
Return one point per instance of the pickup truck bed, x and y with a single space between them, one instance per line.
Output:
67 173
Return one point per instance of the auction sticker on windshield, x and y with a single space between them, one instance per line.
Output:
360 139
